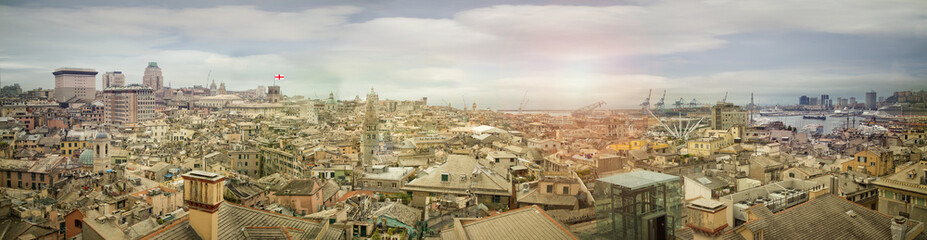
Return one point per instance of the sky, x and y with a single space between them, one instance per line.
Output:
557 54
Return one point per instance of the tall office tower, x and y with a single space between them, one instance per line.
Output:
871 100
853 101
804 100
369 141
825 101
75 84
129 105
152 77
813 101
113 79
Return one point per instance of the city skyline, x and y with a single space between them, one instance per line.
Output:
564 56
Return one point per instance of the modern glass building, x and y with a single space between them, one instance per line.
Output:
638 205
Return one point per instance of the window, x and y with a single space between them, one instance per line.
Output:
792 175
496 199
379 184
394 185
849 168
566 189
550 188
445 177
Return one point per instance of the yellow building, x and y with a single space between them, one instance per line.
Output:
75 141
874 162
624 147
905 192
707 146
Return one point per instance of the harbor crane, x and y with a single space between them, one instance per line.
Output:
524 103
659 104
646 104
679 103
588 109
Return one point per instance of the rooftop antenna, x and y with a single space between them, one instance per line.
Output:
208 76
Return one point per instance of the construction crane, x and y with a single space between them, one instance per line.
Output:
587 109
660 103
524 103
464 102
646 104
725 97
447 103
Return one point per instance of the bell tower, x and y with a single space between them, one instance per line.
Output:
202 191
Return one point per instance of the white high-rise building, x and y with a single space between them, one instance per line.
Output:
113 79
152 77
75 84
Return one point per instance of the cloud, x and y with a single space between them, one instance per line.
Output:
564 56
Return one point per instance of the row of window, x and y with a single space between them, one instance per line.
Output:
19 175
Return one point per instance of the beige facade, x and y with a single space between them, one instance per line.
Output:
75 84
128 106
152 77
113 79
725 115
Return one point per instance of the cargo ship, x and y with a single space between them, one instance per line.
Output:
821 117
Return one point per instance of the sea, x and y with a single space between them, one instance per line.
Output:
799 122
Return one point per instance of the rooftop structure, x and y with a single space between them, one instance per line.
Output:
638 205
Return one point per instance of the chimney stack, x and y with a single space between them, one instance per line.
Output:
708 218
899 228
203 191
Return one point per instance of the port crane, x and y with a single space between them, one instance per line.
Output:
679 103
646 104
583 111
659 104
524 103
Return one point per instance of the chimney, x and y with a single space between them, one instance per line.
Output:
899 228
707 218
834 186
203 191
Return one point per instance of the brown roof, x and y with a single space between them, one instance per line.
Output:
235 219
523 223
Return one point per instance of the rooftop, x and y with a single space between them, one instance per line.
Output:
638 179
515 224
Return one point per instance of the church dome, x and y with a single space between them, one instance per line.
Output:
86 157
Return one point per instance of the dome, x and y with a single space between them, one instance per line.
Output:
102 135
86 157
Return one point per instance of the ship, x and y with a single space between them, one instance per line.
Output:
821 117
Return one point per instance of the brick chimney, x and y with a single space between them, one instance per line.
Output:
707 218
202 191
